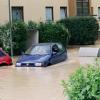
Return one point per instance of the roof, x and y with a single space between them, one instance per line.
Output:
45 44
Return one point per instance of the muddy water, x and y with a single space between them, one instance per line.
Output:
38 83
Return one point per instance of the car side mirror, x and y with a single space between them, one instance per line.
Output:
55 51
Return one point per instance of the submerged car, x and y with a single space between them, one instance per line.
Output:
5 59
42 55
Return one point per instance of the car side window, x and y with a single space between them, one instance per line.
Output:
55 47
61 48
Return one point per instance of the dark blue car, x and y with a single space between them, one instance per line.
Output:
42 55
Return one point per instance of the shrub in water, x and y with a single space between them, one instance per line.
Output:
84 84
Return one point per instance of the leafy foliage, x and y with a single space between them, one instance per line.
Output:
5 37
84 84
84 30
19 37
32 25
52 32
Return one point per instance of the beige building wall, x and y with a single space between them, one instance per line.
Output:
4 11
95 4
33 9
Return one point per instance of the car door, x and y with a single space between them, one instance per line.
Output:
62 54
58 56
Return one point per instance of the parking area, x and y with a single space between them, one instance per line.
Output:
38 83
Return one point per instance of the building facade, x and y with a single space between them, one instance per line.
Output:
36 10
47 10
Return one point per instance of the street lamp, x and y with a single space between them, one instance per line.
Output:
10 30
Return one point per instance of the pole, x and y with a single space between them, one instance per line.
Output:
10 30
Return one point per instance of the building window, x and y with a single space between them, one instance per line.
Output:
49 13
63 12
82 7
17 13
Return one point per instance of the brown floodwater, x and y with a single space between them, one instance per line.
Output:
38 83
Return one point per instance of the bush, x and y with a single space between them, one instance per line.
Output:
84 84
52 32
5 37
19 37
32 25
19 34
84 30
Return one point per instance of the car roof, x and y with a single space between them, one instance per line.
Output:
50 44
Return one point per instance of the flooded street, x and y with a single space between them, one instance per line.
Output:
38 83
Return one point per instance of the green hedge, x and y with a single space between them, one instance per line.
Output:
32 25
83 30
84 84
19 35
52 32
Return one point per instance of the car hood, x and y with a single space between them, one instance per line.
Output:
33 58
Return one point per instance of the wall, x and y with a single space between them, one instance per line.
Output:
4 11
95 4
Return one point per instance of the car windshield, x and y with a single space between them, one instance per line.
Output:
40 50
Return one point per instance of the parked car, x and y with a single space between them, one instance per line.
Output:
42 55
4 58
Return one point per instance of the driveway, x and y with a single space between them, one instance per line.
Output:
38 83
